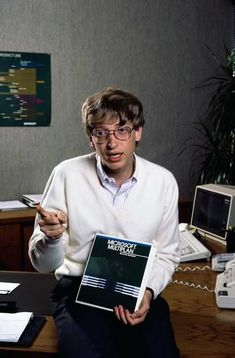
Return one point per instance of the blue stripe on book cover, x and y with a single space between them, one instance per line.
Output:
111 285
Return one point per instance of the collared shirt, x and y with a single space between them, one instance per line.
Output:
117 195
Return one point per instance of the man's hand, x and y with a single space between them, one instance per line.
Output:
52 224
138 316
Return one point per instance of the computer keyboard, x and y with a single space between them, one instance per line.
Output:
191 248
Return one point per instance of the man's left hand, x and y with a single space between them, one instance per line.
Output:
138 316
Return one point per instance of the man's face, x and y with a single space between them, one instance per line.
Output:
117 155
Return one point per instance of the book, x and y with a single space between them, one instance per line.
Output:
8 205
116 273
32 200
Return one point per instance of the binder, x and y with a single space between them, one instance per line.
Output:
116 272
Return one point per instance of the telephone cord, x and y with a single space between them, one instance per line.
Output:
187 268
191 284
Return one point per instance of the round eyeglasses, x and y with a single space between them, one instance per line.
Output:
101 135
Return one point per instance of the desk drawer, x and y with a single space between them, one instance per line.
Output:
10 247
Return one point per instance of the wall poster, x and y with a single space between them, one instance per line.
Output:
25 89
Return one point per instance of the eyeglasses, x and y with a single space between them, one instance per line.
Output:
101 135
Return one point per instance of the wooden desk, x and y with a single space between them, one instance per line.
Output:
16 227
43 347
33 294
201 328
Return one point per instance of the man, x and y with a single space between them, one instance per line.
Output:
115 192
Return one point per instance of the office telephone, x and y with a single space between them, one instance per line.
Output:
225 286
190 248
219 261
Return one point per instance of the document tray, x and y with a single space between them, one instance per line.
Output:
30 333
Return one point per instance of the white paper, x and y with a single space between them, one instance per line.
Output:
11 205
7 287
12 325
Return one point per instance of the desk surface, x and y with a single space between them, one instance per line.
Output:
33 293
18 214
201 328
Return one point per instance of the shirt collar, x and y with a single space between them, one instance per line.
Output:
105 178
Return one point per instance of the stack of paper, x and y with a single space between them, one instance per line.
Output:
12 325
12 205
32 200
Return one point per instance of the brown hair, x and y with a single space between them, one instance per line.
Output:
114 103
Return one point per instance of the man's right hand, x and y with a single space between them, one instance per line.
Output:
52 224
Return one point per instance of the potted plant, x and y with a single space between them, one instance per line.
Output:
214 146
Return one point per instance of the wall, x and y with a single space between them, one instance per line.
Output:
156 49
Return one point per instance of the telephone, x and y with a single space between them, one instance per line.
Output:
225 286
218 262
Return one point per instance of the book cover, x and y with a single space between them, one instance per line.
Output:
116 273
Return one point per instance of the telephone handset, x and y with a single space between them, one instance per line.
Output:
225 286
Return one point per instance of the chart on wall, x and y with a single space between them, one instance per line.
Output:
25 89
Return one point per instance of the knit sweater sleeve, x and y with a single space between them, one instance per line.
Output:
166 241
47 254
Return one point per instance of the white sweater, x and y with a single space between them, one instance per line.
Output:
150 213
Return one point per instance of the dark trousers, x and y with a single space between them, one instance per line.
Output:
87 332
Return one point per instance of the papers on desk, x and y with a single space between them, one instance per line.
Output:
7 287
12 325
12 205
27 200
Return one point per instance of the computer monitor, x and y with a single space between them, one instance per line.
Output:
213 210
